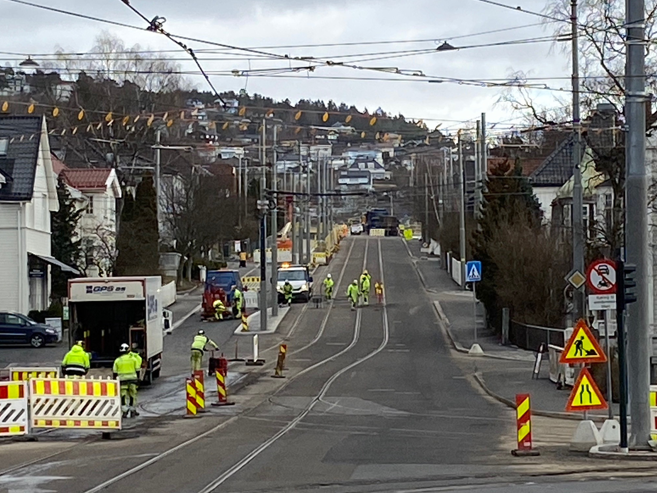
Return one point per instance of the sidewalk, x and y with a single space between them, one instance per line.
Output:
508 370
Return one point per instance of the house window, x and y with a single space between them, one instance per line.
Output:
90 205
4 144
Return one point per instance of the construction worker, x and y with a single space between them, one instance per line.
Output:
365 286
242 259
238 302
219 309
76 361
353 293
378 290
328 287
134 353
198 347
125 370
287 292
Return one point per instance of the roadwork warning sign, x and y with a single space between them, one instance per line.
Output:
582 347
585 395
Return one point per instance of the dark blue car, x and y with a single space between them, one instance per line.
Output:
16 329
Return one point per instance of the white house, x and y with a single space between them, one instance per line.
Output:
99 190
27 197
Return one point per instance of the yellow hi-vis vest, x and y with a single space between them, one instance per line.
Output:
126 367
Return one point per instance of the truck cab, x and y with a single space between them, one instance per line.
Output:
300 279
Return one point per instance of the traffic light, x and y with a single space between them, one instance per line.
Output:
625 285
629 284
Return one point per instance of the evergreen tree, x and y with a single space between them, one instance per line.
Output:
137 241
509 200
63 243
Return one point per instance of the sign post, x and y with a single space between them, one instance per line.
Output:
601 282
473 275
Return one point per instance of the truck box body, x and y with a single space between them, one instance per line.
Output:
106 312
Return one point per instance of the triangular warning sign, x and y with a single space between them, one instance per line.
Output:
582 347
585 394
474 273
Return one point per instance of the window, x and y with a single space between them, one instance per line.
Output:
4 144
14 319
90 205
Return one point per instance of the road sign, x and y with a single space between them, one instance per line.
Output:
601 277
582 347
576 279
473 271
602 302
585 394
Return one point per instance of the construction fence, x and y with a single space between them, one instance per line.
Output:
57 403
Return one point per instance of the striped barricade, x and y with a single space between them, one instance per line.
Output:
251 282
653 413
377 232
27 373
75 403
13 408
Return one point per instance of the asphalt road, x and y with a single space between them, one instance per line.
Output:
374 400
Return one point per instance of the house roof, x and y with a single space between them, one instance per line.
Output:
87 178
19 164
57 165
557 167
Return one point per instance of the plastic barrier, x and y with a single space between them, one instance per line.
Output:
653 412
251 282
377 232
168 294
284 254
13 408
75 403
319 258
252 298
27 373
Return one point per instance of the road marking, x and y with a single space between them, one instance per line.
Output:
380 390
184 318
336 344
398 350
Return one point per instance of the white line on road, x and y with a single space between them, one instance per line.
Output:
184 318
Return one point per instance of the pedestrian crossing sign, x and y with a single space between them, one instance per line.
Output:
582 347
473 271
585 394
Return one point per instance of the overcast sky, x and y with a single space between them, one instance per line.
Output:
260 23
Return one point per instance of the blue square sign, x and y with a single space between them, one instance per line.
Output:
473 271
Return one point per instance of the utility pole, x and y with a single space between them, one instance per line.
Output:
462 209
426 206
263 232
578 201
274 230
158 189
477 172
484 156
239 188
307 220
636 224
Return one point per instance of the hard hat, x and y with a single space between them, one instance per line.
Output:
124 347
286 281
200 331
365 271
355 282
79 342
329 276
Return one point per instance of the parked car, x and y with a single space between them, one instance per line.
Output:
356 228
17 328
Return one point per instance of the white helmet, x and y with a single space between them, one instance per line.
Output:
329 276
124 348
286 281
355 282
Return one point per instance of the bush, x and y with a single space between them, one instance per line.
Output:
55 310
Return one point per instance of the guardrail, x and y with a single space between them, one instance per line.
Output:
530 337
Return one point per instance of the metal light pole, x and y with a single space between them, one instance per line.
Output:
308 249
484 155
636 224
578 201
262 207
462 209
477 172
274 231
158 190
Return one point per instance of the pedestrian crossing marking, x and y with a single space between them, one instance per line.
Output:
585 394
582 347
474 274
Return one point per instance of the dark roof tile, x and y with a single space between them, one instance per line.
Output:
557 168
22 153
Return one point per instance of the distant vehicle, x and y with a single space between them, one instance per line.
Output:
19 329
217 287
391 226
106 312
373 218
356 228
300 279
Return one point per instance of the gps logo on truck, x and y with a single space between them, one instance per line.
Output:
152 307
105 289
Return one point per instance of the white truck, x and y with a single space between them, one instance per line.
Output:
106 312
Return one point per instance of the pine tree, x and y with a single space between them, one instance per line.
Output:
63 243
509 200
137 241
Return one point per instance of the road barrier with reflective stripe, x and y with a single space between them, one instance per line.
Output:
13 408
75 403
377 232
653 412
251 282
524 426
27 373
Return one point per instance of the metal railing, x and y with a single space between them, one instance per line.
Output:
530 337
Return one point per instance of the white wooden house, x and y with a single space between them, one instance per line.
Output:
27 197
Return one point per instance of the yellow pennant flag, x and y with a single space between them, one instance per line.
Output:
108 117
55 112
373 121
348 119
297 115
242 111
325 117
225 126
149 122
5 106
30 109
80 114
